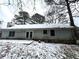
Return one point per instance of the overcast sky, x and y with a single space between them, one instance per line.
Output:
7 12
28 5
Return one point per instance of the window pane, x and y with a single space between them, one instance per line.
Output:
44 31
11 33
52 32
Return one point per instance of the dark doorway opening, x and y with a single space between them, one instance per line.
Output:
52 32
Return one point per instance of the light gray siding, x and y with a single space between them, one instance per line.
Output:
18 33
63 34
5 33
38 33
59 34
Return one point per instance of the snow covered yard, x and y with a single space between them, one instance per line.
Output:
19 49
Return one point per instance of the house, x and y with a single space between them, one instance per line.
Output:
46 32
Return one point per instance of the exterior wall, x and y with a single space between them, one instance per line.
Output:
63 34
59 34
38 34
18 33
5 33
78 34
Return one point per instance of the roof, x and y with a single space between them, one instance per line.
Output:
39 26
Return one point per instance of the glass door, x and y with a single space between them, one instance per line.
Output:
29 35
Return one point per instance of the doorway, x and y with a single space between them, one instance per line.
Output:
0 34
29 35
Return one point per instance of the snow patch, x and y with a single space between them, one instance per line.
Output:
35 50
40 26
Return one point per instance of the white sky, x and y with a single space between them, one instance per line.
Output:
7 12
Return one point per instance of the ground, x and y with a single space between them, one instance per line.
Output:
29 49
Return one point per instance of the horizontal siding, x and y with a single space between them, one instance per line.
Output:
38 34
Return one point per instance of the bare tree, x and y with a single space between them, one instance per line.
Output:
61 6
56 9
66 4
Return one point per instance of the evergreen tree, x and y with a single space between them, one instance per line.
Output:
22 18
37 18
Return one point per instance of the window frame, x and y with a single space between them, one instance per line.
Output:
11 33
45 31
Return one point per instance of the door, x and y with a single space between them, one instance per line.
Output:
29 35
0 34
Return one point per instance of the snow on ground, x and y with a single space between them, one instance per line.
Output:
19 49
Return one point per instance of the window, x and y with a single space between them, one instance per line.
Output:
44 31
52 32
11 33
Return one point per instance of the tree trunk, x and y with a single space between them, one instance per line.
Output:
70 13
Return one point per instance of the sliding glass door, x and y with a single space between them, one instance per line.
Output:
29 35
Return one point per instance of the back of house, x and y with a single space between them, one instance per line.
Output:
44 32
